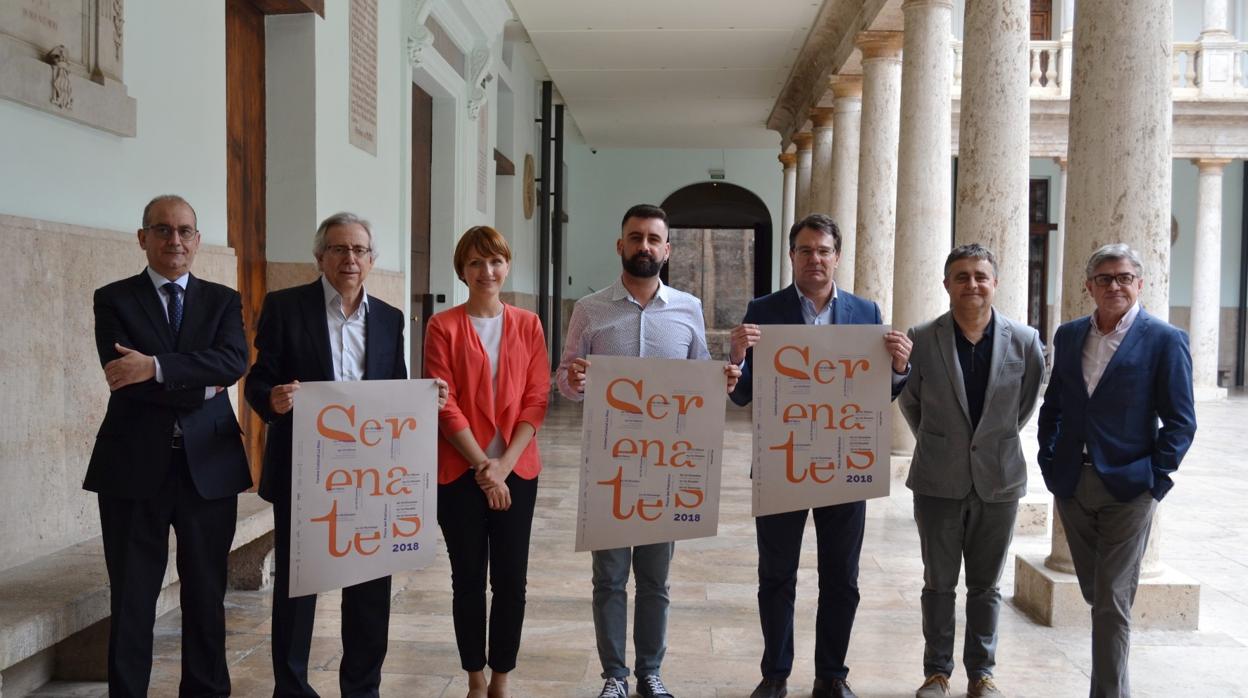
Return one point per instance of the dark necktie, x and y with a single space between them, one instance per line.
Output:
175 306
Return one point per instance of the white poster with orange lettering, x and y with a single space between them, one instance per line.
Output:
364 487
652 439
822 423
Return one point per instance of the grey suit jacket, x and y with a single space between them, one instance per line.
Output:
950 457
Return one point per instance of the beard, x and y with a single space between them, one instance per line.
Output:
641 265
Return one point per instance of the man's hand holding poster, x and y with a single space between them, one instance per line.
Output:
363 482
822 423
652 440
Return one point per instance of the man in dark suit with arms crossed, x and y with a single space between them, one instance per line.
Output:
1116 375
169 452
812 299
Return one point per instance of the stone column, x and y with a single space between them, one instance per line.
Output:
847 117
1216 67
821 161
803 142
1067 40
877 167
1118 190
1207 278
993 143
1058 245
923 174
1119 185
789 161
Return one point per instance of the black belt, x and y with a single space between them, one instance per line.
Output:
176 442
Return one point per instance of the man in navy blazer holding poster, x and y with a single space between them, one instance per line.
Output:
328 330
812 299
1117 374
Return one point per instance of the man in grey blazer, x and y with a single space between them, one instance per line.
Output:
974 380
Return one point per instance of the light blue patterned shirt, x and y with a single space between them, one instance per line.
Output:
612 322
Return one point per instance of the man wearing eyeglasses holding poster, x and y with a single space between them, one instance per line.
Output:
1116 421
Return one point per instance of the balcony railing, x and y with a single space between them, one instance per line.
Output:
1225 77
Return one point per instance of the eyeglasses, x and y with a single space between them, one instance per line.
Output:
186 233
342 250
1123 279
820 252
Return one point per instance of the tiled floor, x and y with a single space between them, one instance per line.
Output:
714 639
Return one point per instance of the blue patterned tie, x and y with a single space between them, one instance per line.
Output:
175 306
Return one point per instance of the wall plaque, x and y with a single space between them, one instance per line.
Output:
65 57
363 75
483 158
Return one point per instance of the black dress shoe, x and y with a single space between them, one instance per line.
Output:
771 688
832 688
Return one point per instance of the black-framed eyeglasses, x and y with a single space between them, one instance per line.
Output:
1123 279
186 233
342 250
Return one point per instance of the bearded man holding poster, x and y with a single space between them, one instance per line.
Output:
812 299
639 316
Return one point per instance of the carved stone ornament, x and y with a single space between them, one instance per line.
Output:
530 186
420 43
119 21
62 89
478 78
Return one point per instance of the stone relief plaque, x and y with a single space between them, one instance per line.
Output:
530 186
363 75
65 57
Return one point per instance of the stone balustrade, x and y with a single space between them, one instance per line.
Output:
1050 68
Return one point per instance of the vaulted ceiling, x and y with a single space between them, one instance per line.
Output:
670 73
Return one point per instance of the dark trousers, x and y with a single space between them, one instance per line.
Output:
365 625
480 540
136 552
838 530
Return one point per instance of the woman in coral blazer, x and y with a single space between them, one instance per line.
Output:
494 358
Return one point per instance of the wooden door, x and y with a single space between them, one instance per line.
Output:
422 175
1041 20
245 175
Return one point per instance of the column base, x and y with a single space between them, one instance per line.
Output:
1167 601
1208 393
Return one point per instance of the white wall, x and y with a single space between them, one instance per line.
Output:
604 185
58 170
516 138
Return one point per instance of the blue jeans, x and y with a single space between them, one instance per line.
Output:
650 564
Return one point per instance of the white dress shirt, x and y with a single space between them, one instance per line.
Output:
159 282
1099 347
346 334
490 332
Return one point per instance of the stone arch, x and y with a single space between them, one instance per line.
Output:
722 205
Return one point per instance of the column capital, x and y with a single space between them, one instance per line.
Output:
803 140
1214 165
915 4
788 160
821 117
880 44
846 86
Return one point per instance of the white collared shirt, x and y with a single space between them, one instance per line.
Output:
1099 347
159 282
612 322
346 334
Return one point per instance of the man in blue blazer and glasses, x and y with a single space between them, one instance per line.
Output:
1117 419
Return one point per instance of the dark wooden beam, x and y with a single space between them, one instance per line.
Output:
503 164
290 7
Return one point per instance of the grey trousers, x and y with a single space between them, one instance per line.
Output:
950 531
1107 540
650 565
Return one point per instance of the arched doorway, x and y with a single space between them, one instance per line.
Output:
721 251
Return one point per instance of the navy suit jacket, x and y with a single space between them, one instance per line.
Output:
1148 379
784 308
292 343
133 450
